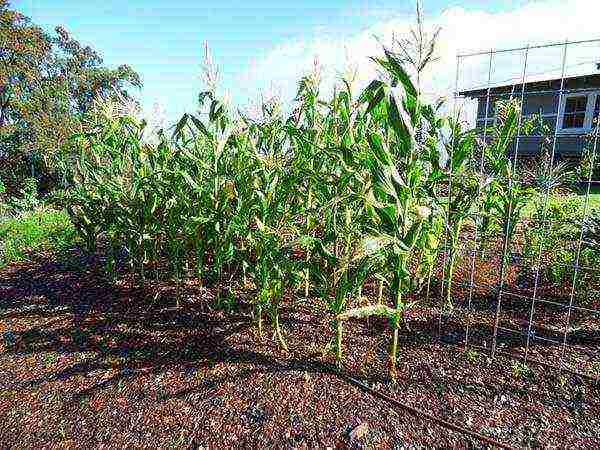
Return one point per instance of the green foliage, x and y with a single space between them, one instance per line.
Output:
507 193
472 355
339 192
550 223
350 183
464 199
589 256
521 369
551 236
31 232
591 231
589 167
560 268
47 81
27 198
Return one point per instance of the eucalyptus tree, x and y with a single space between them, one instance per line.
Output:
48 80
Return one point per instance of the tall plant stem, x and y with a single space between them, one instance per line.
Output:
307 271
177 278
199 262
156 260
142 268
452 262
338 348
278 331
380 293
177 291
259 319
187 262
395 336
429 275
307 277
341 297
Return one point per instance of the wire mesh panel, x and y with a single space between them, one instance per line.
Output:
520 270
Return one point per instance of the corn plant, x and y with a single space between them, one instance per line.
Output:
462 202
271 236
333 194
507 193
402 185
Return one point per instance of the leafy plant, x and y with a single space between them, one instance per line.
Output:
399 205
507 193
47 80
521 369
35 231
472 355
465 186
330 197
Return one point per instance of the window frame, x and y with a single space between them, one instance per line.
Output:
589 112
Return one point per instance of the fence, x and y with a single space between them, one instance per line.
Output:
543 305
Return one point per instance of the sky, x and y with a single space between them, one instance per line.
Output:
266 46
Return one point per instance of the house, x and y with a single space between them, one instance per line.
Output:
569 116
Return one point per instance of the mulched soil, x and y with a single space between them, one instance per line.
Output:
86 362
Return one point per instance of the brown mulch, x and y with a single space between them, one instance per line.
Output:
86 362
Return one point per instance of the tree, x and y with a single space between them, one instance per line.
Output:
47 81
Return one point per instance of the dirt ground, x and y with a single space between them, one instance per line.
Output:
86 362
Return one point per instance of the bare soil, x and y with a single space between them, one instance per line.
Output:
87 363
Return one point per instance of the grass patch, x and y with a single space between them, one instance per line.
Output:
594 197
594 202
42 229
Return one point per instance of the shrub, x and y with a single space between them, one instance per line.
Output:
550 236
40 230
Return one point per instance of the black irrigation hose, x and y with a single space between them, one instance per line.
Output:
423 414
444 423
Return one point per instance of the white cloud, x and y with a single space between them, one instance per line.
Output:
463 30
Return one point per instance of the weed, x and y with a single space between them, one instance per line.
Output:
472 355
563 380
521 369
38 230
50 359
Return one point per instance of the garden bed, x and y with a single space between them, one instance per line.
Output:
86 362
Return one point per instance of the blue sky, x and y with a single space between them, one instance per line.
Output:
251 40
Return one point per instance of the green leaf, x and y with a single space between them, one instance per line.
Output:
199 125
395 68
367 311
179 126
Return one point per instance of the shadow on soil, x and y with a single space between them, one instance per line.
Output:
75 309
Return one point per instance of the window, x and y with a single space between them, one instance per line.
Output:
490 102
574 112
579 112
596 111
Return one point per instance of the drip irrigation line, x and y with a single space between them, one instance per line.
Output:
422 414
